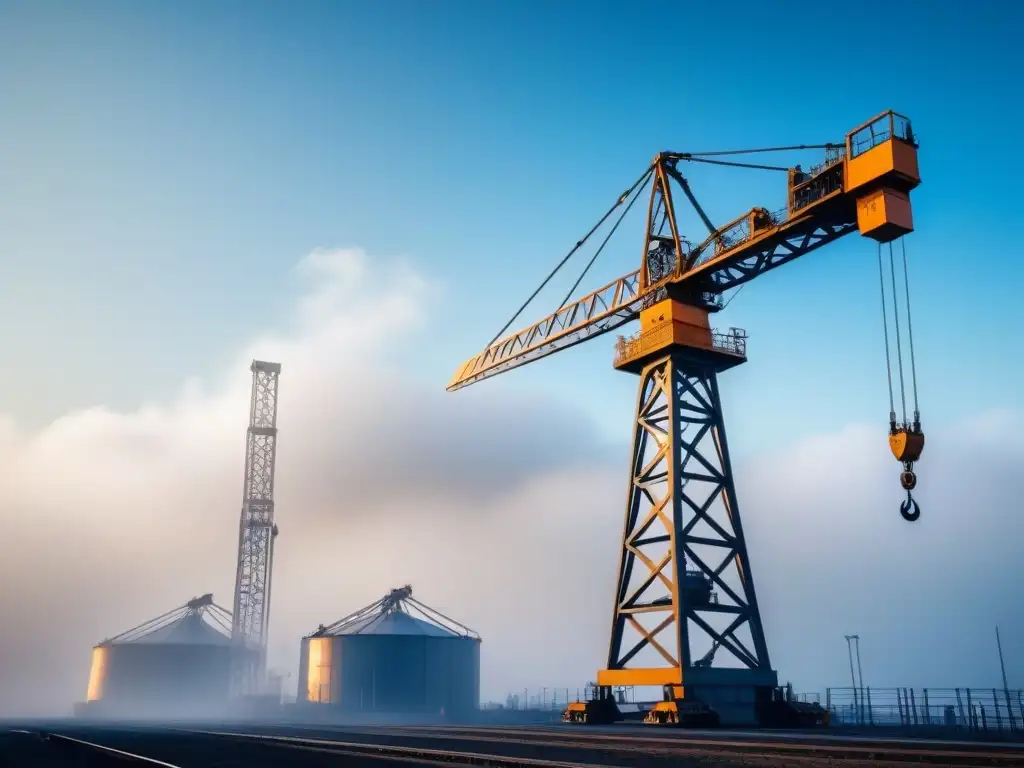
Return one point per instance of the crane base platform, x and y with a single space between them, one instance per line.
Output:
680 713
592 712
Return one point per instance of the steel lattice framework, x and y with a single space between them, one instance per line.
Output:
257 529
620 302
684 570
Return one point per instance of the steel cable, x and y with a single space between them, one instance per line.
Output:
885 331
896 323
910 331
733 164
755 151
615 226
569 255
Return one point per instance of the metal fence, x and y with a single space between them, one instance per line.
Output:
972 709
543 699
979 710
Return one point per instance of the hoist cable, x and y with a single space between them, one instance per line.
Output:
896 322
600 248
569 255
910 331
885 331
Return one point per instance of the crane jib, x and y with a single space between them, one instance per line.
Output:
619 302
593 315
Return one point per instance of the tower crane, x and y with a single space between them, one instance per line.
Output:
684 571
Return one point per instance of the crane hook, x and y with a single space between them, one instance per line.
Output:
910 509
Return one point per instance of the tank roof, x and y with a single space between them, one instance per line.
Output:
200 621
397 613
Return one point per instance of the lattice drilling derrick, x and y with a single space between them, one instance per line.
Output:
685 615
257 529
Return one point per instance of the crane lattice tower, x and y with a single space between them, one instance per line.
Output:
257 530
685 614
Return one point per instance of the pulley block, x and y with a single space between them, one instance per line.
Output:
906 444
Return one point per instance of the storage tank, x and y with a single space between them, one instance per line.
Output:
178 663
397 655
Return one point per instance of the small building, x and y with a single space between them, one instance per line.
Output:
396 655
179 663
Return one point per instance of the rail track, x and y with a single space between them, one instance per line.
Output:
43 748
637 747
311 746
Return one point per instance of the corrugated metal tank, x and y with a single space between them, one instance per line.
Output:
176 662
385 659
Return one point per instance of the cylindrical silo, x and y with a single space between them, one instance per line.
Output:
176 664
397 655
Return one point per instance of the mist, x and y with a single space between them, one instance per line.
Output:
503 511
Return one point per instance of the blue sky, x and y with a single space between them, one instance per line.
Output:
165 165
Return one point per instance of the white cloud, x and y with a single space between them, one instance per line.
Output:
502 510
925 597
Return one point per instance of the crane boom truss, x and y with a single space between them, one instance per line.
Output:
596 313
619 302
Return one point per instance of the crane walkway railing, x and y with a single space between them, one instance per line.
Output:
733 342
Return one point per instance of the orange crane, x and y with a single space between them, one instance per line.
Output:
685 590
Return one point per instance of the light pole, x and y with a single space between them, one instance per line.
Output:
853 677
1006 687
1002 666
860 676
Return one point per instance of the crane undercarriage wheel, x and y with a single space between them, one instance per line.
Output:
682 713
598 711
